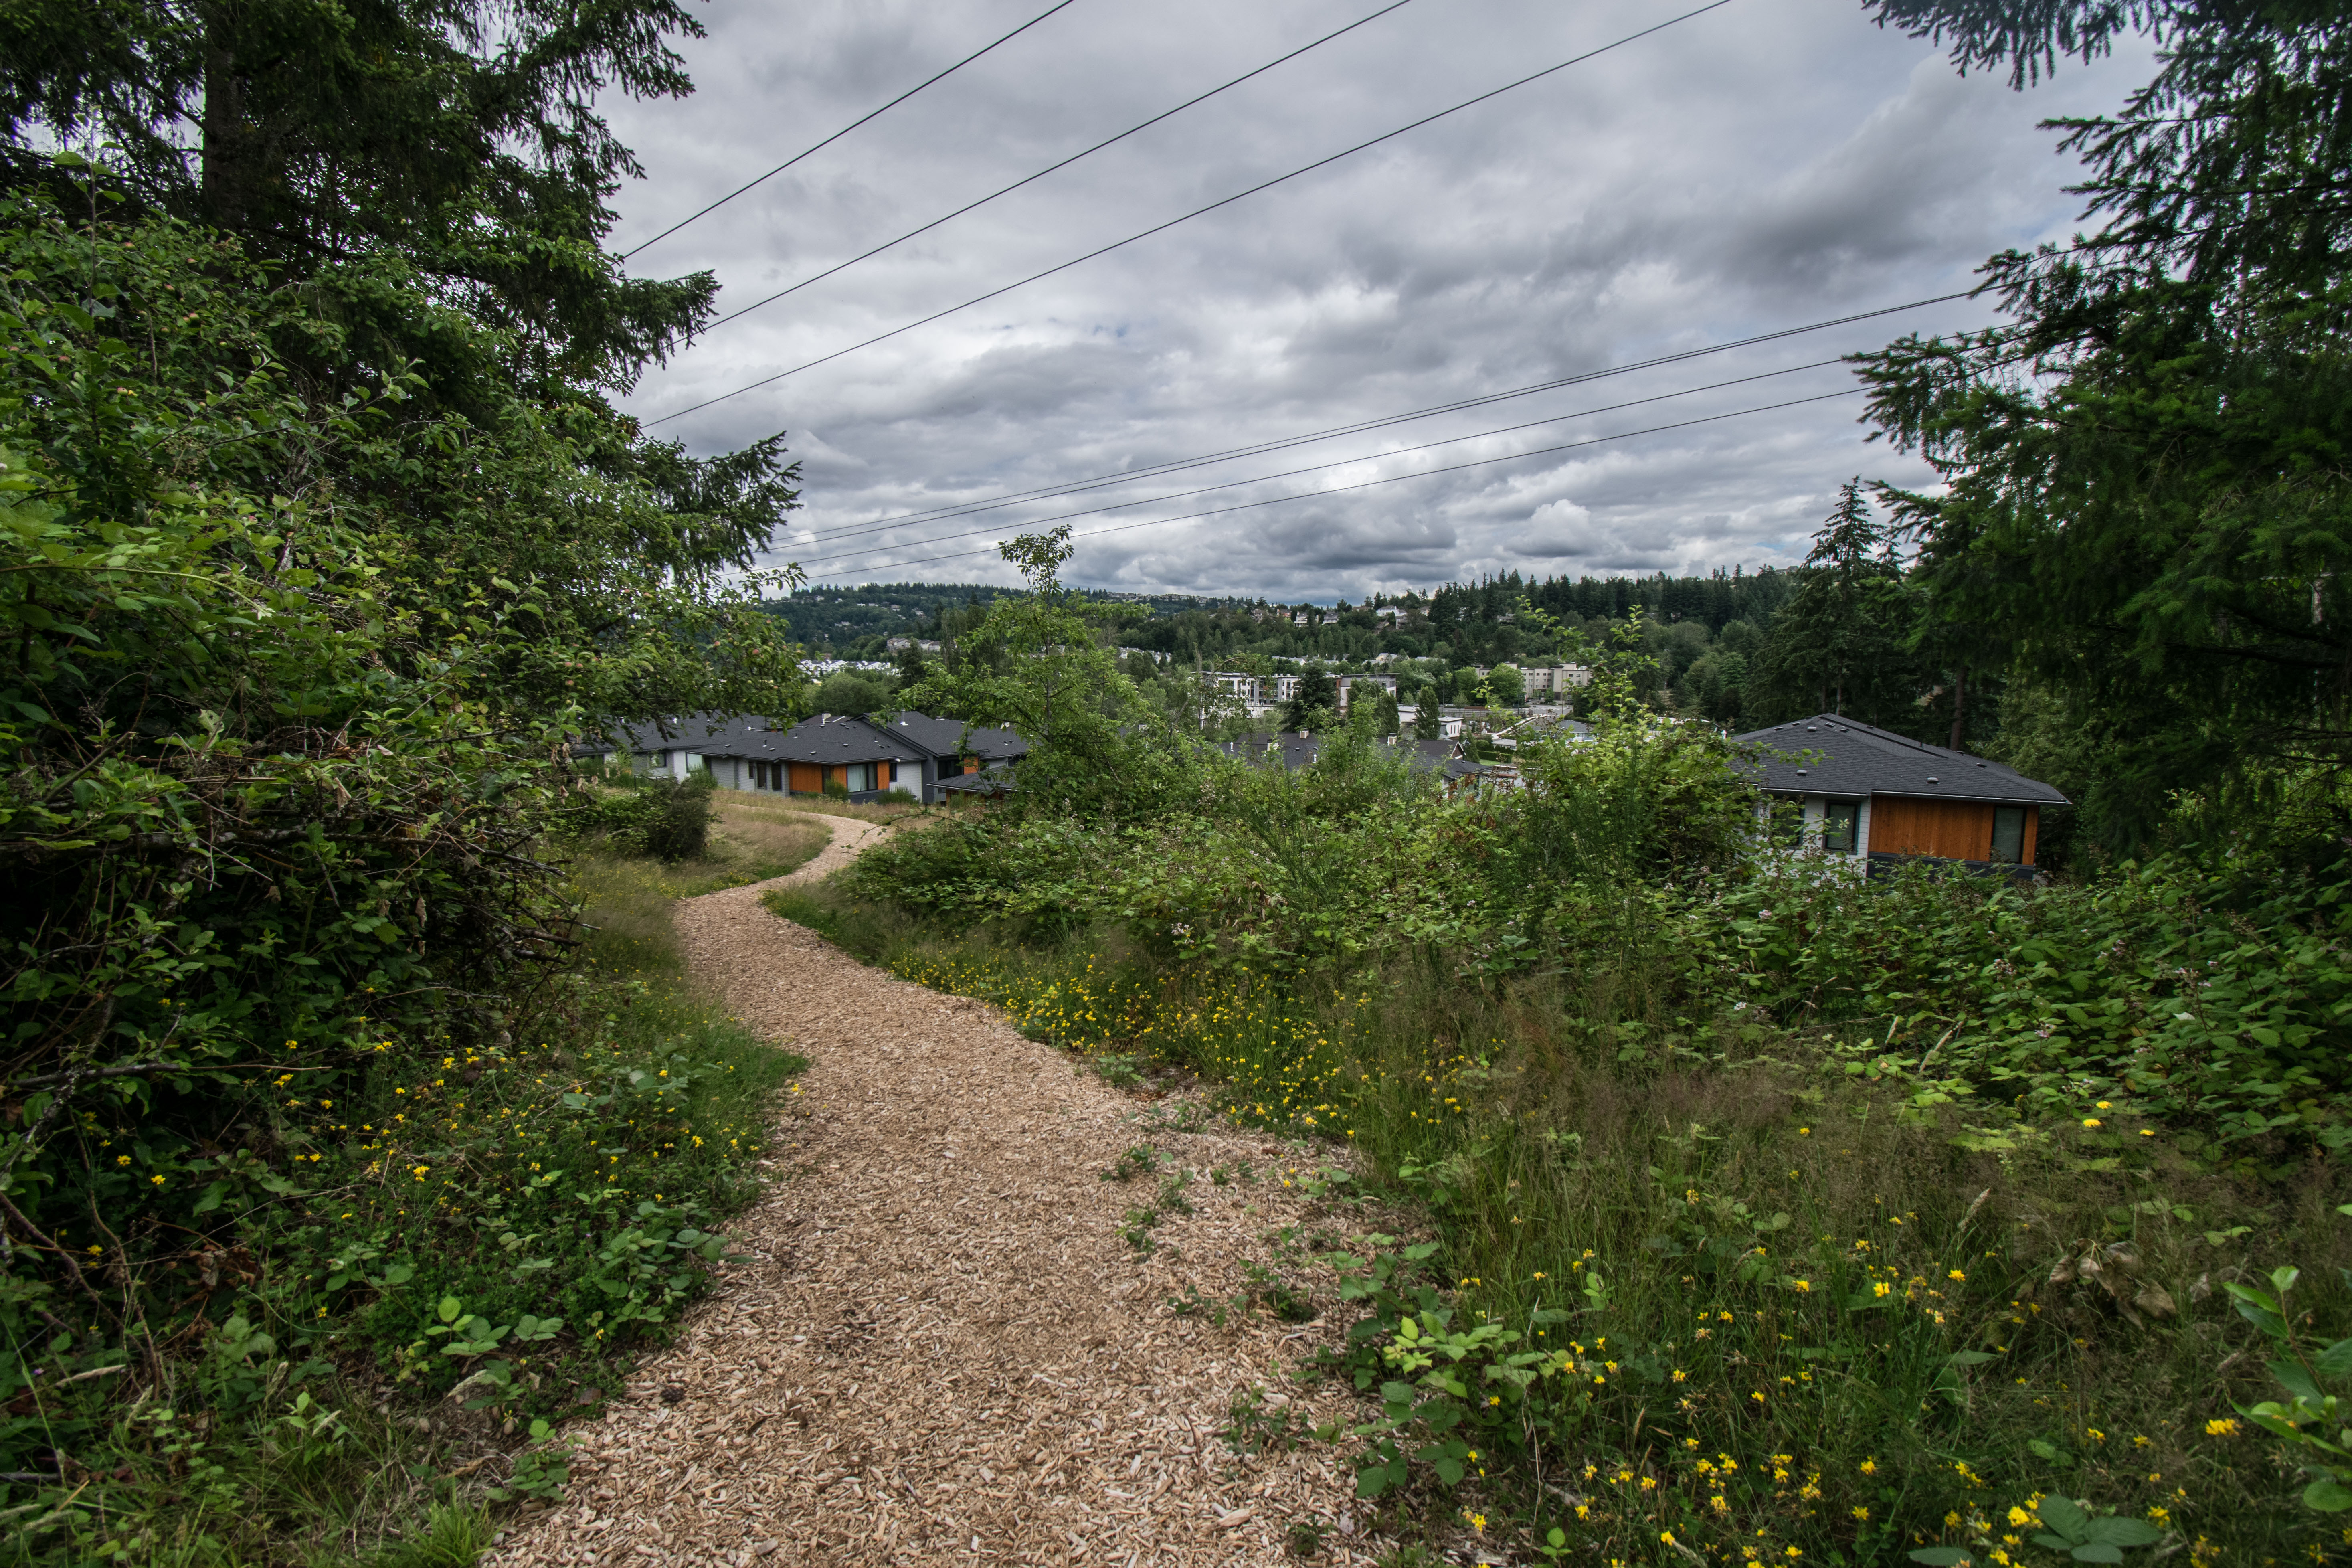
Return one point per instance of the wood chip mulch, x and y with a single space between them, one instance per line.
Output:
941 1350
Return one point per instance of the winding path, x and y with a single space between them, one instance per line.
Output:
942 1350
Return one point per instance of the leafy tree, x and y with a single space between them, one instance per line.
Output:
2144 487
852 691
1313 702
1508 686
1034 666
1428 724
319 543
1714 687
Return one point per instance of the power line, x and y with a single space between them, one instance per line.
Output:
1177 465
1337 462
1393 478
846 130
1197 212
1032 179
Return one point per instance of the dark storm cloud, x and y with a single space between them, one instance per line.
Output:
1774 163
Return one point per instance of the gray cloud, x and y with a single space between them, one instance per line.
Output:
1774 163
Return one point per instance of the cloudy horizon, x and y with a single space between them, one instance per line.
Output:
1768 164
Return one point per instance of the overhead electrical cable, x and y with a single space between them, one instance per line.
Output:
846 130
1187 218
1051 168
1390 480
1177 465
1334 463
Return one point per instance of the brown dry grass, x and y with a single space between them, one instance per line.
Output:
759 803
941 1350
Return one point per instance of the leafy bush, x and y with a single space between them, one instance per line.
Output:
658 819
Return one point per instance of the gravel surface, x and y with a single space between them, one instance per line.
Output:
942 1350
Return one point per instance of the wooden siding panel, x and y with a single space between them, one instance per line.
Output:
2032 830
1950 829
807 778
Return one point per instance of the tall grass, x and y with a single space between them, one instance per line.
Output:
1805 1310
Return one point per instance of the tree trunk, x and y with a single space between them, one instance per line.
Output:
1959 697
224 152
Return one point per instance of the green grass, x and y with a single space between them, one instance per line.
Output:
551 1200
1789 1310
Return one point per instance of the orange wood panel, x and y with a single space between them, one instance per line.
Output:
972 764
807 778
2032 830
1950 829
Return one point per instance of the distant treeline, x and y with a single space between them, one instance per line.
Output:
1475 621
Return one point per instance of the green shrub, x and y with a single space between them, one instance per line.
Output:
658 819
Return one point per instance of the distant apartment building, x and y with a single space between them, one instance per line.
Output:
1556 678
1256 692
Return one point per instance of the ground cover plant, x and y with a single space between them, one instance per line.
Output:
476 1242
1780 1216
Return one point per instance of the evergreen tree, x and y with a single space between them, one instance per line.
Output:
1843 644
1313 703
2142 497
459 137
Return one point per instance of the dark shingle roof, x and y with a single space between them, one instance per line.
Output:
945 738
1826 754
830 739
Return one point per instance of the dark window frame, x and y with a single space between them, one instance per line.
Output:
2012 816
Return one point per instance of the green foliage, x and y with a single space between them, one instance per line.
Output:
851 691
462 139
312 573
1314 705
1842 642
1773 1208
2308 1419
660 818
1034 666
2142 491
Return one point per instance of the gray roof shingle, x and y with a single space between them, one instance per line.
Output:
945 738
1826 754
831 739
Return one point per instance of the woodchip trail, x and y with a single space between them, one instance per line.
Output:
941 1350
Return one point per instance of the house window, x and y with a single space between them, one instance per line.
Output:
1841 825
2008 835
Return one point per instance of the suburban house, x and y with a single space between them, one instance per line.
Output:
924 757
1881 797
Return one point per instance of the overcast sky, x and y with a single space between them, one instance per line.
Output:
1768 165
